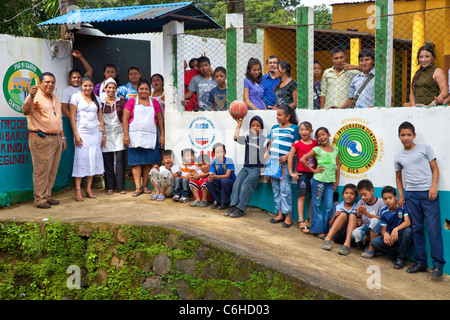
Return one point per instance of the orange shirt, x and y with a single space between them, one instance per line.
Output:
45 115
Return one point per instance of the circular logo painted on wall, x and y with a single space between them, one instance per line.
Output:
202 133
358 148
18 80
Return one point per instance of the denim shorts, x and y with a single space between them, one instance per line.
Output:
304 183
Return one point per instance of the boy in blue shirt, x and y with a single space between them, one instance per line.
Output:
221 177
218 95
396 233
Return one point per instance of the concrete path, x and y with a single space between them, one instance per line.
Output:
252 236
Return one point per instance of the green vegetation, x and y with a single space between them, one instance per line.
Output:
131 263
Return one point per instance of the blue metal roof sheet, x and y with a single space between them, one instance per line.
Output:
138 19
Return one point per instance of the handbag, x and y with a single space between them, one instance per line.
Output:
273 168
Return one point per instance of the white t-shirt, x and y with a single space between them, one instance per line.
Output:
175 168
373 208
68 92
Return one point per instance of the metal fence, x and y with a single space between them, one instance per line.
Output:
386 60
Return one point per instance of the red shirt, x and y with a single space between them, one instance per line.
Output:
303 149
188 75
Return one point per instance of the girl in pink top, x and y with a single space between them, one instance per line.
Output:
303 175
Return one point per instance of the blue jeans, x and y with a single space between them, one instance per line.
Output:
282 192
246 182
319 219
220 190
420 208
181 187
400 248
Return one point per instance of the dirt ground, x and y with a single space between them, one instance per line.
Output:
251 236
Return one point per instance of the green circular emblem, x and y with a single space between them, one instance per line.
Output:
358 148
18 80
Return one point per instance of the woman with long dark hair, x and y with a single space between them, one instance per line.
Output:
428 86
286 89
253 87
86 119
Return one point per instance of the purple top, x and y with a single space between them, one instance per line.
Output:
255 93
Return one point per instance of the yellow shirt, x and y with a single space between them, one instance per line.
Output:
45 115
335 87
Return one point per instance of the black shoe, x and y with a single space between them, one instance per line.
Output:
215 205
237 213
417 268
276 220
223 206
399 264
229 211
437 272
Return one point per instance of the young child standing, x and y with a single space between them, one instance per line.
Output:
188 167
343 222
324 181
221 178
198 182
248 177
416 163
368 210
163 178
395 229
303 175
281 138
202 85
218 95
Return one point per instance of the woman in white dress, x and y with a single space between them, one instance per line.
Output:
86 119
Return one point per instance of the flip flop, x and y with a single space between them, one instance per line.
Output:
303 229
147 190
154 197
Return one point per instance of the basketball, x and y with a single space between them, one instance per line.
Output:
238 109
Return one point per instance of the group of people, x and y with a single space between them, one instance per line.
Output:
114 125
340 87
206 89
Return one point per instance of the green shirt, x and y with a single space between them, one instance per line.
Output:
335 87
327 160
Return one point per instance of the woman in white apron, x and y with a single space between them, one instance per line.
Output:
141 117
109 71
113 150
89 135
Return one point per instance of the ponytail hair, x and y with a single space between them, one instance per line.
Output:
93 96
284 65
288 111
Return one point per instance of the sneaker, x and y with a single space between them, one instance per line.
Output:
326 245
215 205
437 271
176 198
223 206
237 213
184 199
368 254
344 250
203 204
229 211
194 203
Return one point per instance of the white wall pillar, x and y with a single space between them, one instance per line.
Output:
173 91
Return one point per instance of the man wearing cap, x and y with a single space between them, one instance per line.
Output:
46 139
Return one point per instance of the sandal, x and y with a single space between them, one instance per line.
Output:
308 223
137 193
76 198
90 195
109 192
304 229
146 190
122 192
154 197
161 198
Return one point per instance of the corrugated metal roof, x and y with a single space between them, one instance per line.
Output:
138 19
